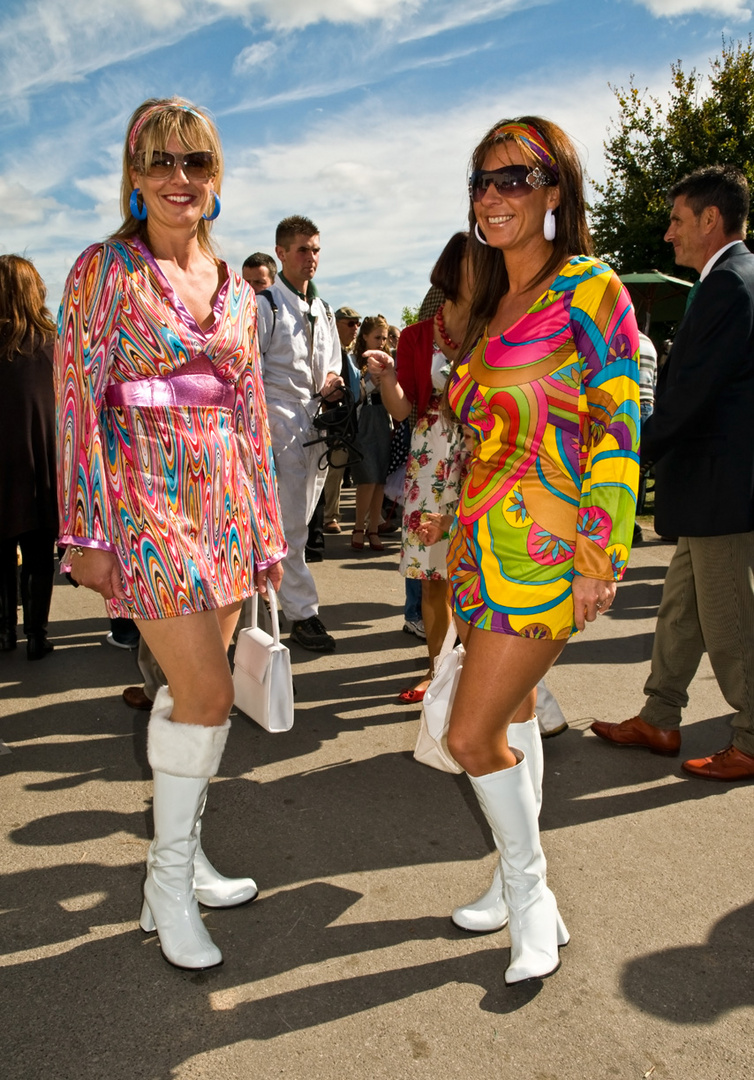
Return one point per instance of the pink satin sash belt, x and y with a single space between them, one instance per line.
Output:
196 383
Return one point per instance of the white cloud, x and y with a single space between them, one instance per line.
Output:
734 9
253 56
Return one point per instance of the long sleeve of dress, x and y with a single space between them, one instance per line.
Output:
87 333
254 435
607 342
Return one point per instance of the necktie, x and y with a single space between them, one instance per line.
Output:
692 293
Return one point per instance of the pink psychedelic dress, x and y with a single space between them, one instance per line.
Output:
164 451
551 487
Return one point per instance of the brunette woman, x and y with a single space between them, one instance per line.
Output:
547 376
28 501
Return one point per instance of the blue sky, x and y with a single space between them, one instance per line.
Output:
359 113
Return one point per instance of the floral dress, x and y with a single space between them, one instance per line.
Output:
551 487
434 475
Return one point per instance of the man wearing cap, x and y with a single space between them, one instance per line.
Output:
301 362
347 321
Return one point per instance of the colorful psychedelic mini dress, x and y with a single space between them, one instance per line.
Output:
551 487
164 451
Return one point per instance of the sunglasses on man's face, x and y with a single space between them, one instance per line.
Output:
196 165
513 181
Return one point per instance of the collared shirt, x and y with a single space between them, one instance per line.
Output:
713 259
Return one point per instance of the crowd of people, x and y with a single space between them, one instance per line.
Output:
505 422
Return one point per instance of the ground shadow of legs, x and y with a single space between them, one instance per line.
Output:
696 984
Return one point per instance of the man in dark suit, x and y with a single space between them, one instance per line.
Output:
700 440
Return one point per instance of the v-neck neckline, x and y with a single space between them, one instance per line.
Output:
175 299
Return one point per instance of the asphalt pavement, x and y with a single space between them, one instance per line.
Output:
347 966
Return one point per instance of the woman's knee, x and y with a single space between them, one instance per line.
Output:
206 701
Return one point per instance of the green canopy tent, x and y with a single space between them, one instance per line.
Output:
658 298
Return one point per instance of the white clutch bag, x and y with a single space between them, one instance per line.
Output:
262 672
432 741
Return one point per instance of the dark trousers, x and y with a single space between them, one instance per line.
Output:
36 578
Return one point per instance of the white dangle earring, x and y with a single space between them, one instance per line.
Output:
479 236
550 225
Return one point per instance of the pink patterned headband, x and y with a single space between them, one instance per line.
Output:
533 140
136 130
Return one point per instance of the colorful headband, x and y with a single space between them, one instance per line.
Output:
533 140
161 106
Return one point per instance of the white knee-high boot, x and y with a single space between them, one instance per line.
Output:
489 912
211 888
507 800
183 757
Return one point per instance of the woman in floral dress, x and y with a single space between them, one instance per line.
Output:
435 467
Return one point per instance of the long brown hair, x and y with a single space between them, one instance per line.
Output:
194 131
24 318
370 323
572 235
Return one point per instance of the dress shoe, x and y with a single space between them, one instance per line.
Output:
727 764
332 527
135 698
635 732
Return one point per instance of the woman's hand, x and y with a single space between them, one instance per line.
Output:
378 364
273 575
591 597
433 528
98 570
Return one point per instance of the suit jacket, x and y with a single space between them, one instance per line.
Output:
700 437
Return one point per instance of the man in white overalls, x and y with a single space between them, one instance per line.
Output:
300 350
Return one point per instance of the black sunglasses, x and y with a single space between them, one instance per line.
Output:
196 165
512 181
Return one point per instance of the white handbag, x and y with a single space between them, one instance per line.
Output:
432 741
262 672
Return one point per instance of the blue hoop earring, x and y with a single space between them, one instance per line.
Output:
140 213
215 209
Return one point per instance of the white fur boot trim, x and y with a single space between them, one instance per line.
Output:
191 750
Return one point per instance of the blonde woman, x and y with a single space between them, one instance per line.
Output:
167 487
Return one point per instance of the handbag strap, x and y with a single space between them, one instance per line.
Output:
448 643
273 613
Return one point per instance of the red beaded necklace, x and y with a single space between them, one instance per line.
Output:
443 332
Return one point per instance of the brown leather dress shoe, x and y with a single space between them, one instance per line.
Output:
135 698
635 732
727 764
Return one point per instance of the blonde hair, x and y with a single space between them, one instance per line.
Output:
24 318
150 128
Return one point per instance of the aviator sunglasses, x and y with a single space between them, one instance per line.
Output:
196 165
512 181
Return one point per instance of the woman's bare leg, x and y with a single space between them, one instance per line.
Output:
192 650
496 688
375 507
364 493
436 616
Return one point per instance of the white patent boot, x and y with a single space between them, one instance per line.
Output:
507 800
213 889
489 912
183 757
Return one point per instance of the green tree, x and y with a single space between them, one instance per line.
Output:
409 315
652 147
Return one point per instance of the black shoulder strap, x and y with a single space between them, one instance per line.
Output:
271 301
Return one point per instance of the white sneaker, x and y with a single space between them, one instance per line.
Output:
416 628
